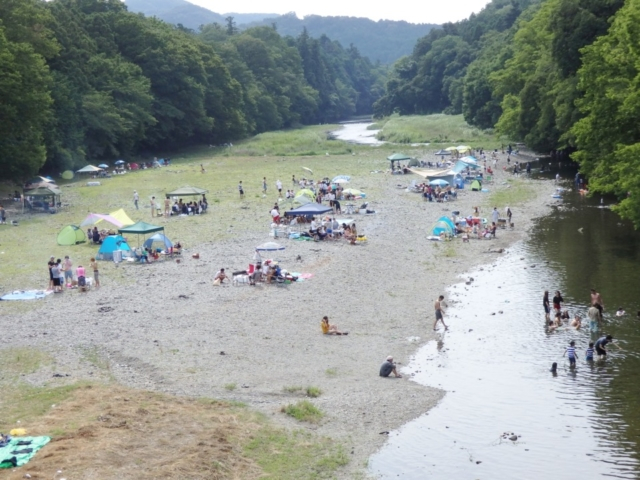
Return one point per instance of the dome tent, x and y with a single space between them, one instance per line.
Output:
110 245
157 238
71 235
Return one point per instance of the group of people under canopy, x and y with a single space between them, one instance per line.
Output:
194 207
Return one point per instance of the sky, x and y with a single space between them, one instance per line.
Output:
433 11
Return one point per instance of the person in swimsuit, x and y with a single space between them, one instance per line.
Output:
439 313
96 273
557 301
596 301
545 304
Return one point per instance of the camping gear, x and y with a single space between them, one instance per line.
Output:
438 182
158 238
20 450
337 177
476 186
121 216
448 221
71 235
269 247
119 162
94 218
88 169
396 157
110 245
307 193
308 210
354 192
442 227
186 191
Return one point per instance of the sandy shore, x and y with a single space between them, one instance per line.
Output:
168 329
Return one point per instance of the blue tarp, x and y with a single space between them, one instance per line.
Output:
25 295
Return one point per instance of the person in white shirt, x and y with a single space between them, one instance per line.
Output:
495 215
279 186
275 214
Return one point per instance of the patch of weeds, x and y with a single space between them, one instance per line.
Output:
230 386
295 455
22 360
92 356
313 392
332 372
303 411
449 251
174 350
292 389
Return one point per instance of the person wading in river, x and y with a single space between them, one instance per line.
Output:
596 301
439 313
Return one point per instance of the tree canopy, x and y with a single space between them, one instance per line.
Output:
88 80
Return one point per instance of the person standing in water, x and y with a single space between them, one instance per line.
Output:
596 301
600 345
570 352
557 301
545 304
439 313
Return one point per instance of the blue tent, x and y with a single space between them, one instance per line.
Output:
110 245
448 221
308 210
157 238
442 227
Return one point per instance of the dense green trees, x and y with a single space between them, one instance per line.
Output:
86 80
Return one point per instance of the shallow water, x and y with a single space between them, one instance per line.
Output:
357 133
494 364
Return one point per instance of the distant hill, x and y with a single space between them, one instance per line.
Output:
188 14
384 40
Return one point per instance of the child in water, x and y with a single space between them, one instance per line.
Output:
590 352
620 312
570 352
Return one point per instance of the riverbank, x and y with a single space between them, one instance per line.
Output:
165 327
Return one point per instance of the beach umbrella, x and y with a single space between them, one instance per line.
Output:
346 177
308 170
120 162
67 174
438 182
103 165
269 247
451 149
463 148
340 180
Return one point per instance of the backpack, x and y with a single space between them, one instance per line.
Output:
82 282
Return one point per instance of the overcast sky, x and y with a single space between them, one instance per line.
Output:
432 11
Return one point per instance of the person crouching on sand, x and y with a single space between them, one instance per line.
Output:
388 367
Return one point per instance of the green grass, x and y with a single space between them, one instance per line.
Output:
92 355
304 411
517 193
230 386
295 455
331 372
22 361
292 389
448 130
313 392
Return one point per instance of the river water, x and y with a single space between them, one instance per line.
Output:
494 364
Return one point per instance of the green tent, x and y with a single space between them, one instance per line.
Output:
476 186
186 191
71 235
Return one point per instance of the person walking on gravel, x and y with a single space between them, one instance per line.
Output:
439 313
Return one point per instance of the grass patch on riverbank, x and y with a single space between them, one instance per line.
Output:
109 431
304 411
439 129
519 192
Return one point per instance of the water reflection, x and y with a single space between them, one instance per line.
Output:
494 363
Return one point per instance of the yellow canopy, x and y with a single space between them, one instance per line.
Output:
307 193
426 173
122 217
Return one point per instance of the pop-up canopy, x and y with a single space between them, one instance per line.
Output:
186 191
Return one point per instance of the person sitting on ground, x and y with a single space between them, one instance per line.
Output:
330 328
321 232
353 236
388 367
256 276
220 276
576 322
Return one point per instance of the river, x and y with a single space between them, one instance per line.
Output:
494 364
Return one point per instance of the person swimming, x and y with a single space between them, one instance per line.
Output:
620 312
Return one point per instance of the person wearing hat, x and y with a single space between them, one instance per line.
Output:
388 367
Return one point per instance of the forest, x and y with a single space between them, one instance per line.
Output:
87 80
559 75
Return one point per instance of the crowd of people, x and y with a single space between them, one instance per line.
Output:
61 274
